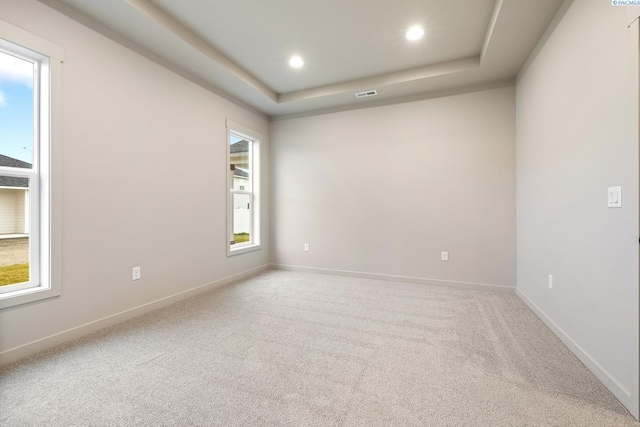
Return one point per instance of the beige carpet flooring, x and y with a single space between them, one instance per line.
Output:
300 349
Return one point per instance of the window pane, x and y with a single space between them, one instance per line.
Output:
240 161
243 179
14 230
16 111
241 218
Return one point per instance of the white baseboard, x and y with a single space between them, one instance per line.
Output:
29 349
614 386
392 278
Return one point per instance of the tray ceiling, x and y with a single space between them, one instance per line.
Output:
242 48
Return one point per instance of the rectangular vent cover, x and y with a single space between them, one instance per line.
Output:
366 93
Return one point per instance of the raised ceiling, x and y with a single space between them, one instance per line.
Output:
243 47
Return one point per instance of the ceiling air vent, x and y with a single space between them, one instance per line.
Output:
366 93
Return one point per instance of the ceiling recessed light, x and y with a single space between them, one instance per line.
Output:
296 62
415 33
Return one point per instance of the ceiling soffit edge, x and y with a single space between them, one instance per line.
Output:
398 100
492 25
396 77
183 32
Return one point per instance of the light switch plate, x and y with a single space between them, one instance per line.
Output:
614 197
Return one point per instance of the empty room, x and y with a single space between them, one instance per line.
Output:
305 213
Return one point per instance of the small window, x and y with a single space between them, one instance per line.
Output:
243 218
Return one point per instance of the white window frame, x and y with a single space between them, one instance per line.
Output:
254 138
44 176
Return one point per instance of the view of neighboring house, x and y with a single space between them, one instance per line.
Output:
239 152
14 199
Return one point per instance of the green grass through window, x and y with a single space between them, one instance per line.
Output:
241 237
12 274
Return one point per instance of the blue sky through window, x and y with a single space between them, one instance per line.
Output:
16 107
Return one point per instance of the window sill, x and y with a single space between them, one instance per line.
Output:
243 249
25 296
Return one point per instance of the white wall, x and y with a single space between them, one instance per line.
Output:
8 202
577 134
22 212
12 211
384 190
144 160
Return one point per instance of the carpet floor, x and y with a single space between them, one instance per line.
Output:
299 349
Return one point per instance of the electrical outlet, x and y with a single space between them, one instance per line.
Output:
135 273
306 247
445 256
550 282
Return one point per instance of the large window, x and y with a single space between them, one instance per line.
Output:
243 182
26 78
